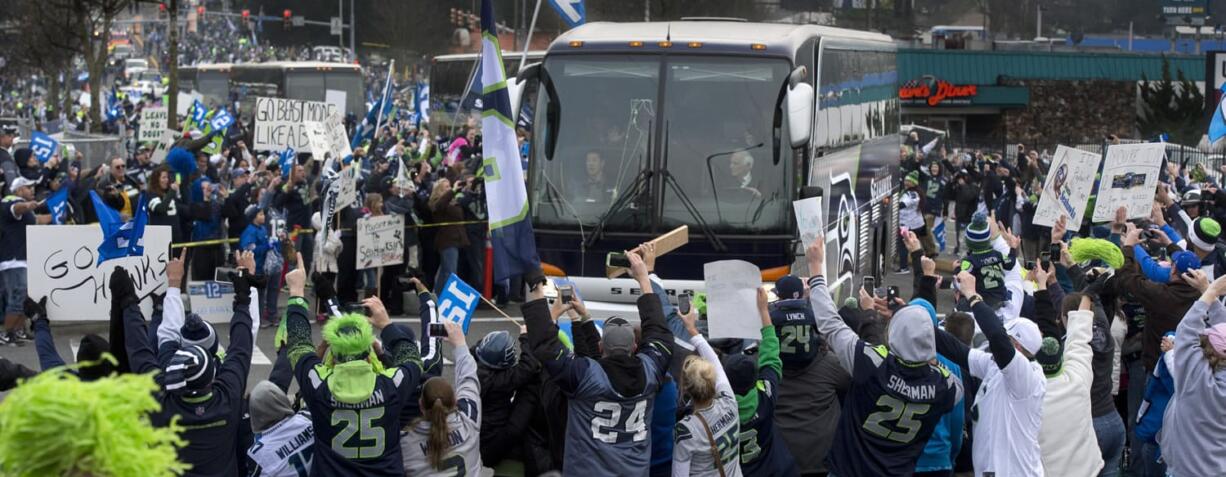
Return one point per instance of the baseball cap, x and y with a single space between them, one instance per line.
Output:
21 182
1026 333
742 371
789 287
1184 260
618 338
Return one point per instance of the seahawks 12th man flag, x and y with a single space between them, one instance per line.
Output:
505 195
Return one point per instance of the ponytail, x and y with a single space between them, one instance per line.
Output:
437 402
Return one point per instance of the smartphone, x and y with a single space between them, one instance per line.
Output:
1045 260
891 293
1030 264
567 293
617 260
355 308
437 330
947 282
683 303
880 292
222 274
1053 250
870 284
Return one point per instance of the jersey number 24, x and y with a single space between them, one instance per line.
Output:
609 427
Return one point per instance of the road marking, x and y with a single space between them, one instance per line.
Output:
258 357
74 346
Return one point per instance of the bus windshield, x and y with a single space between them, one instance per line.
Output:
719 118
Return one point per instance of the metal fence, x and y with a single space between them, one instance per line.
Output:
1186 156
95 149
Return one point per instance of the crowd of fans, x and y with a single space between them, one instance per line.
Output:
1078 350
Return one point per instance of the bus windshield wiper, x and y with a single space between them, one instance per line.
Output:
636 188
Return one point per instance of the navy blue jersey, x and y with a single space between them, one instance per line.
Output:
797 332
762 450
889 414
989 268
355 438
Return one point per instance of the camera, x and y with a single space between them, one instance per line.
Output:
684 303
355 308
437 330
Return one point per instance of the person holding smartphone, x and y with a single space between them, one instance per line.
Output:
18 213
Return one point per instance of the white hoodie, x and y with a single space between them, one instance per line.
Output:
1066 438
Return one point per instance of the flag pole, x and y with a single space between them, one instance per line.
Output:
472 75
499 310
523 58
391 67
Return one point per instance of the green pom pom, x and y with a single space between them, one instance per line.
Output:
1085 249
55 424
349 335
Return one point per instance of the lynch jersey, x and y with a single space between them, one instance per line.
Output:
797 331
284 450
989 268
692 454
463 456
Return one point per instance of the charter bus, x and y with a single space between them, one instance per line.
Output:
308 80
451 74
718 125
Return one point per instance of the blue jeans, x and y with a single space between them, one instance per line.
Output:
1150 465
449 258
1109 429
1137 379
14 289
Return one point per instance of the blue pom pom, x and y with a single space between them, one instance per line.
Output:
181 161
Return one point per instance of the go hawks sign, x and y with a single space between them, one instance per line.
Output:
936 92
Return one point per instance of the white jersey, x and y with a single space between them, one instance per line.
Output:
463 456
284 450
692 454
1009 410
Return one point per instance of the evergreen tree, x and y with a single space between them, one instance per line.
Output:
1172 106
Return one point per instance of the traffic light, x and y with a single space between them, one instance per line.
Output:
247 19
200 10
287 18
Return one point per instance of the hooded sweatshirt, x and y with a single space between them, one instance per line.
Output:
283 439
1193 435
946 440
1066 438
889 385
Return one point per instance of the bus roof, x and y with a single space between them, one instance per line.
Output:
532 54
781 36
276 64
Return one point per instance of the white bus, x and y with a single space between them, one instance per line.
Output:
718 125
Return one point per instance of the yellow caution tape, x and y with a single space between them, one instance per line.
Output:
295 233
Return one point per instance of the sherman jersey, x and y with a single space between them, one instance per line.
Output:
692 445
989 268
284 450
463 456
890 411
797 331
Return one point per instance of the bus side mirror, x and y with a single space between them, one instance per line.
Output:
800 102
518 85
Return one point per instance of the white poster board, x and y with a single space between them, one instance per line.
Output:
808 219
163 146
152 123
63 266
337 98
337 137
380 241
347 183
732 299
186 100
1067 190
213 301
1129 179
318 138
281 123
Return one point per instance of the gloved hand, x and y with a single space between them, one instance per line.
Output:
535 278
35 309
242 287
123 291
324 290
1096 283
157 298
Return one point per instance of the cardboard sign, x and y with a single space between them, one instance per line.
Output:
1067 189
1129 179
213 301
165 142
152 124
63 267
43 146
809 221
457 302
347 187
380 241
281 123
732 299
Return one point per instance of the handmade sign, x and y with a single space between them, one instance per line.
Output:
1067 189
1129 179
732 299
281 123
380 241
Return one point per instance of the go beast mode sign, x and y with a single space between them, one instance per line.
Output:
936 92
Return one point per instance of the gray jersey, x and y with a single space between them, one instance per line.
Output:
692 454
607 433
284 450
463 457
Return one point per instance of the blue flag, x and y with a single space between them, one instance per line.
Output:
114 110
571 11
286 161
457 302
366 130
1217 126
43 146
422 96
57 203
198 112
221 120
120 239
506 196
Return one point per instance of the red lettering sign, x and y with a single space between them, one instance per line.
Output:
934 92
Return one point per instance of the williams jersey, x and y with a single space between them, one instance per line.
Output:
797 332
463 456
989 268
889 414
284 450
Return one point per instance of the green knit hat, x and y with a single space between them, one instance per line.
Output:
912 177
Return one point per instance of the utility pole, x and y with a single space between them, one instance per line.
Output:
646 10
1038 28
353 29
172 65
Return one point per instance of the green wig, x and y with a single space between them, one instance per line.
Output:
349 335
56 424
1085 249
